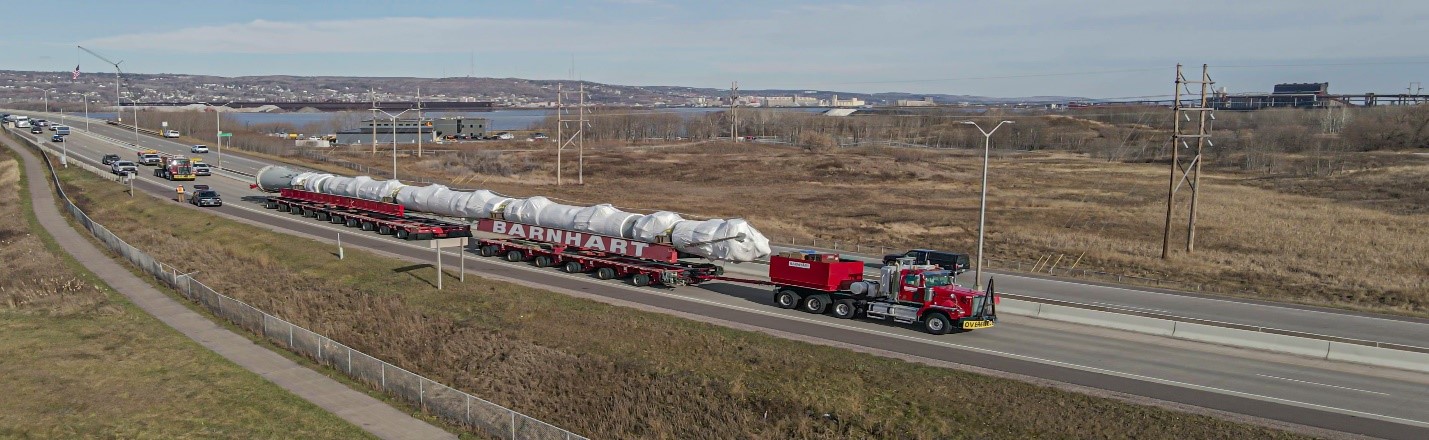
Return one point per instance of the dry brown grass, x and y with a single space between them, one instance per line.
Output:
79 361
1352 239
592 367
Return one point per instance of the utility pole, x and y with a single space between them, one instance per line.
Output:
373 94
734 111
1190 173
577 138
419 122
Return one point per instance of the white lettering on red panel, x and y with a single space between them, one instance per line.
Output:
572 238
800 264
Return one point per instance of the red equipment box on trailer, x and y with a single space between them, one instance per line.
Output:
815 272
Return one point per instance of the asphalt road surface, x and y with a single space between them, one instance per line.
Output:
1338 396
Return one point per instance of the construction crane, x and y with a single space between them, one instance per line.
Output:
117 71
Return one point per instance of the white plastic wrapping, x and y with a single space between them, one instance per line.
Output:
604 219
718 239
651 227
730 240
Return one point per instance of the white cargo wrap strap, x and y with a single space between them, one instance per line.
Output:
729 240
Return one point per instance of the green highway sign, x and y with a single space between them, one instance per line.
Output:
225 135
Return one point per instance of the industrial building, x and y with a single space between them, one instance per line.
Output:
1288 95
406 130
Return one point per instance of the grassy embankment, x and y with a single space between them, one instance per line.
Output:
78 360
611 372
1353 239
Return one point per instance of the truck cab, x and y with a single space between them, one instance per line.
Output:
926 294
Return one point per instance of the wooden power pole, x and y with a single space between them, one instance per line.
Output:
1190 172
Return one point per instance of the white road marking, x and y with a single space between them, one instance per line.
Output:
1323 384
528 268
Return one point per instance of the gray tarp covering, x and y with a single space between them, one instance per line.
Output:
714 239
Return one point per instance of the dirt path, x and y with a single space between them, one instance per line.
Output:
372 415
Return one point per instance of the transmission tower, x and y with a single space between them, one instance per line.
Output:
1190 173
577 138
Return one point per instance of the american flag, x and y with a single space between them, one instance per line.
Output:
75 75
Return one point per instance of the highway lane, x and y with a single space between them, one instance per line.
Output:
1331 322
1309 319
1337 396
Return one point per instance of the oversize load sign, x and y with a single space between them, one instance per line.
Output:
604 243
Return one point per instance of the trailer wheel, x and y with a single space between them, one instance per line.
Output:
514 255
270 204
845 309
787 299
335 219
487 251
605 273
384 230
403 234
295 210
640 280
323 217
542 261
816 304
937 323
368 226
352 222
574 267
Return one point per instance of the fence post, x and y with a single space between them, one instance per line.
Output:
321 361
513 424
384 376
290 335
349 359
421 394
468 408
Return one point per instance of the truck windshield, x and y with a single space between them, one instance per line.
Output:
939 279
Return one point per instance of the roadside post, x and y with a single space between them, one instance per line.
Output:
438 244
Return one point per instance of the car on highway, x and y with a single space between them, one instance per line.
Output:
36 130
171 133
958 263
122 167
150 159
202 169
200 149
40 123
57 138
109 159
205 197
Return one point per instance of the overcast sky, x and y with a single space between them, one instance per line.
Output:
1102 48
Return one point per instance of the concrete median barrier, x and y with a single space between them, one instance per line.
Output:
1119 321
1252 339
1365 354
1018 307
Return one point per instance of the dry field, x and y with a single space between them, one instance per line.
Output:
79 361
1355 239
590 366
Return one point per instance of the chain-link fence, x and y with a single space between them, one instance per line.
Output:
443 401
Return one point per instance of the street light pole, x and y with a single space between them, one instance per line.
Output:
982 209
86 112
394 135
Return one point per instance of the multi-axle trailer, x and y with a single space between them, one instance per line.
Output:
808 281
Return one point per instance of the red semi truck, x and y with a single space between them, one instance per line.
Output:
809 281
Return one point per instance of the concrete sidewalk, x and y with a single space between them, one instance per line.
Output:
372 415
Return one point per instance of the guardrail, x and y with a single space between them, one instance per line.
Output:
432 397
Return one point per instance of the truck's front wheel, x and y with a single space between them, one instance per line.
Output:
844 309
786 299
937 324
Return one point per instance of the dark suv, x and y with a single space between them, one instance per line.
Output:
958 263
109 158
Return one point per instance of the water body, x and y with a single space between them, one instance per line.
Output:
500 119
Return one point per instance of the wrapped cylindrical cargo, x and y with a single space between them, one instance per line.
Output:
272 178
494 205
651 227
526 210
556 215
604 219
719 239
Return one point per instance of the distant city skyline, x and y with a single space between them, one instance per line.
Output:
1104 49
